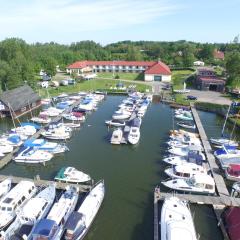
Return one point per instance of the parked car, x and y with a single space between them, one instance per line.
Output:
190 97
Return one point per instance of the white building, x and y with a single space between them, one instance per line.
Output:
153 71
198 63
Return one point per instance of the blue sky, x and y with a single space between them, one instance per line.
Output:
107 21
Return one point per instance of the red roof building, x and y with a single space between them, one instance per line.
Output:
207 80
218 54
153 71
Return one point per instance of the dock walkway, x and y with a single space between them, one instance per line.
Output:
39 182
8 157
220 184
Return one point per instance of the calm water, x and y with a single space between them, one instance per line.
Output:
130 172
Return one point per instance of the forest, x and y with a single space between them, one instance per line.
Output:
21 62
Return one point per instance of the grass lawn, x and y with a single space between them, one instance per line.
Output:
125 76
178 77
91 85
181 100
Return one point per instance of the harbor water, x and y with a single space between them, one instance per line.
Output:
130 172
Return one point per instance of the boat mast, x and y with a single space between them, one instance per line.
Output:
30 109
226 120
11 115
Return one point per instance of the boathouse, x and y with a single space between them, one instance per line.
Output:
206 79
153 71
18 101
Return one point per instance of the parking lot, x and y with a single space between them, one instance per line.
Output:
209 96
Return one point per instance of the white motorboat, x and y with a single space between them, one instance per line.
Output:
184 117
53 226
194 157
219 142
186 125
116 136
72 175
59 133
26 130
115 123
176 220
226 162
200 183
121 116
185 171
5 187
80 221
44 145
88 106
134 135
35 209
6 148
14 200
227 152
184 151
74 117
72 125
31 155
14 140
42 119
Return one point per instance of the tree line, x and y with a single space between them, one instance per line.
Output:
21 62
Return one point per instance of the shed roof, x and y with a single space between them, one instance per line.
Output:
19 97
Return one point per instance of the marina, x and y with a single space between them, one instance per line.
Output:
144 160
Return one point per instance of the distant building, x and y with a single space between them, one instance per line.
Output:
18 101
153 71
198 63
207 80
219 55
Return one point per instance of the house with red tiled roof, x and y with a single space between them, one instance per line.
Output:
218 54
153 71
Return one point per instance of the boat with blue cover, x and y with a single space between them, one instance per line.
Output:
52 227
45 145
31 155
80 221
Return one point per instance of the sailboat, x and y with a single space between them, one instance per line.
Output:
219 142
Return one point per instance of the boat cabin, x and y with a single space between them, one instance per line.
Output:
17 196
187 170
203 181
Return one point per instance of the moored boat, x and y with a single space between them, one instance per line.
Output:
185 171
233 172
35 209
176 220
52 227
72 175
186 125
134 135
116 123
14 200
31 155
200 183
80 221
116 136
5 187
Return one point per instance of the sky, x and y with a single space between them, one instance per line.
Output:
108 21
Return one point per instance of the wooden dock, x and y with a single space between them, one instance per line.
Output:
8 157
219 202
220 184
39 182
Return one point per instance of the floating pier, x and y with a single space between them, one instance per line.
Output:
221 200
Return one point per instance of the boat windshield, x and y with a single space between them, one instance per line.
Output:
191 181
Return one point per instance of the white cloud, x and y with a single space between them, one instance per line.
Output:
78 16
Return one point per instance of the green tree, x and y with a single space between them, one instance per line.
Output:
133 54
233 69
